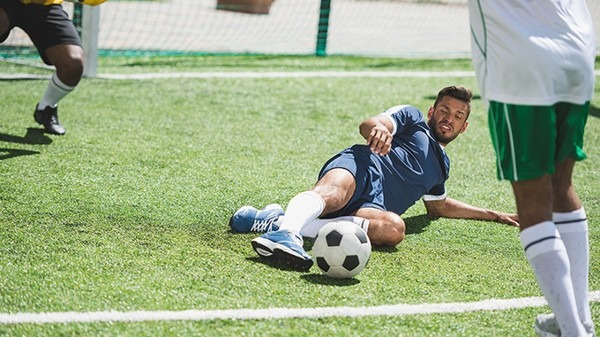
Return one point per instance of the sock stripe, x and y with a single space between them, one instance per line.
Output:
540 240
60 85
569 221
364 224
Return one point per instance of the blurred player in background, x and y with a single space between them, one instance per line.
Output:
535 67
58 43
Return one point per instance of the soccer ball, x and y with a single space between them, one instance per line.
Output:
341 249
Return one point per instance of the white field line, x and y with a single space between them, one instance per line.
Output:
249 74
273 313
291 74
279 74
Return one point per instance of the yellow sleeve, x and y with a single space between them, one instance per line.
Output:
58 2
42 2
91 2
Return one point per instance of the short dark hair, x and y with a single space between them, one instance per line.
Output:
455 91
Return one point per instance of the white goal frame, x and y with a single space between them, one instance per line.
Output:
90 24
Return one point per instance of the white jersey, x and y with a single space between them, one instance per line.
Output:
533 52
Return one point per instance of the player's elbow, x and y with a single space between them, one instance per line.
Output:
434 211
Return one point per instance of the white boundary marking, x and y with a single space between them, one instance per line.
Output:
276 74
252 74
291 74
272 313
271 74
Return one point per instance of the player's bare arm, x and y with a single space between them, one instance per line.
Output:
451 208
377 131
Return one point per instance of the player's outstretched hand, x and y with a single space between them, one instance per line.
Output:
380 140
508 219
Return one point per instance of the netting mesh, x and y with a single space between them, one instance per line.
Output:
395 28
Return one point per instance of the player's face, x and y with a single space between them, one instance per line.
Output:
448 119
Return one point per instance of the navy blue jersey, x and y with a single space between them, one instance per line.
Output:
416 166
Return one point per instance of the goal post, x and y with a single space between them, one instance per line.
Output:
90 26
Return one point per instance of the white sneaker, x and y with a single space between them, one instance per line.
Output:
545 325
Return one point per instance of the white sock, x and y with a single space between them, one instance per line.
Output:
548 258
573 228
301 210
55 91
311 229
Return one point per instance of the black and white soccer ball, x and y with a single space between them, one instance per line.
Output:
341 249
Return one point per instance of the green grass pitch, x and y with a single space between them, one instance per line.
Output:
129 210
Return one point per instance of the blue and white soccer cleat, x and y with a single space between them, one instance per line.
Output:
285 246
249 219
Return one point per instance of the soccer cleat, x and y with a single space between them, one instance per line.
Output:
285 246
48 117
545 325
249 219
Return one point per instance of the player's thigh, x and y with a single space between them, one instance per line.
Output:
4 24
336 187
65 56
570 124
8 15
373 213
524 139
48 26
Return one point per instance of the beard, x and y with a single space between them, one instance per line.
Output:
441 137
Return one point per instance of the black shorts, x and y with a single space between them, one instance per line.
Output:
46 26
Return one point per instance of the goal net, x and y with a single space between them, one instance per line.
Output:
384 28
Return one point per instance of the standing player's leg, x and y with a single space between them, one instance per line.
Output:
568 212
571 221
526 159
68 60
546 251
58 43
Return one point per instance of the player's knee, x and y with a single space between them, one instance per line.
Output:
69 65
394 230
333 197
73 65
398 229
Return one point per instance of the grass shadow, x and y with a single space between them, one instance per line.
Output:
329 281
274 263
417 224
12 153
32 137
384 249
414 225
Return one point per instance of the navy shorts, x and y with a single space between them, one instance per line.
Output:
46 26
369 188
